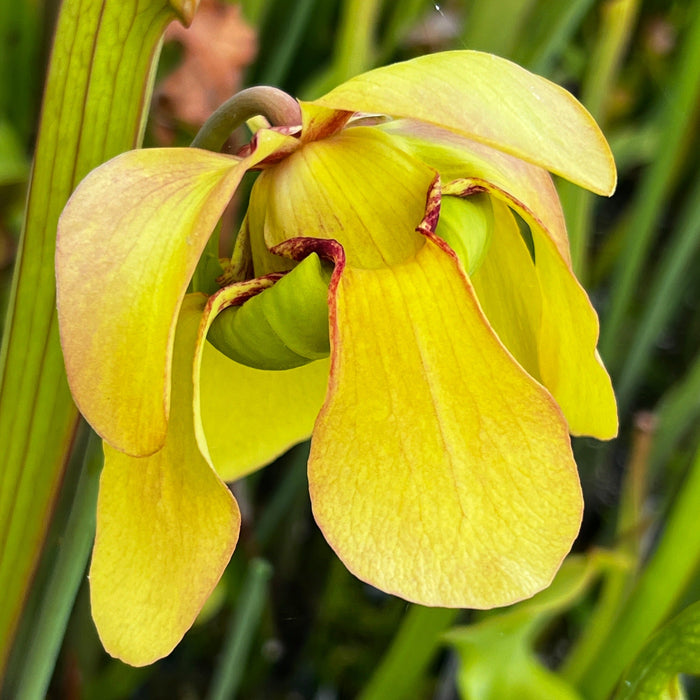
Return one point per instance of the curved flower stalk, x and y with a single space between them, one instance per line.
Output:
461 350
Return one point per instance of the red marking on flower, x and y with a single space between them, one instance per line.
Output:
463 187
432 209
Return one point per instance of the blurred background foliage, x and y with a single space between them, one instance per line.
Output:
288 621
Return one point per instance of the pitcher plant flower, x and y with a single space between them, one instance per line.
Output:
400 290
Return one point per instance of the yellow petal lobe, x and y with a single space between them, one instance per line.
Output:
128 242
166 528
247 417
544 317
491 100
439 470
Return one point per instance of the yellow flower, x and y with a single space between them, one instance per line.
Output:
462 351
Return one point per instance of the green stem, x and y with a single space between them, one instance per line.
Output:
276 106
251 601
619 580
97 89
671 279
412 649
618 19
676 125
36 666
660 587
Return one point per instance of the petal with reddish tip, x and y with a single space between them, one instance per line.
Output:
247 417
491 100
439 471
128 242
166 528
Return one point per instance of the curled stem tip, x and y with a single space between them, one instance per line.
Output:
279 108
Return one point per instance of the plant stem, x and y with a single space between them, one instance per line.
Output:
245 622
273 104
410 653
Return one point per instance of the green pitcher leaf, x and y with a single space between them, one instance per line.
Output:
98 84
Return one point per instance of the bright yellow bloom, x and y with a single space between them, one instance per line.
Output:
462 351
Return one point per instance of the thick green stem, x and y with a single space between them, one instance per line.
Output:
94 107
273 104
412 649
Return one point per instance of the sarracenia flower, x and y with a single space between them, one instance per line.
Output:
400 289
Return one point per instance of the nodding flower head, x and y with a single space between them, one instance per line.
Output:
400 290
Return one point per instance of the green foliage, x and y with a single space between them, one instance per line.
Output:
674 649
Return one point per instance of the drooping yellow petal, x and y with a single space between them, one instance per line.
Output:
356 187
544 317
128 242
493 101
247 417
439 470
569 362
166 528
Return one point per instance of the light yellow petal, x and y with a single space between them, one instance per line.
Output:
247 417
128 243
493 101
570 366
544 317
356 187
166 528
439 470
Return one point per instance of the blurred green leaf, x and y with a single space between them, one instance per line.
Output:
674 649
14 165
497 655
